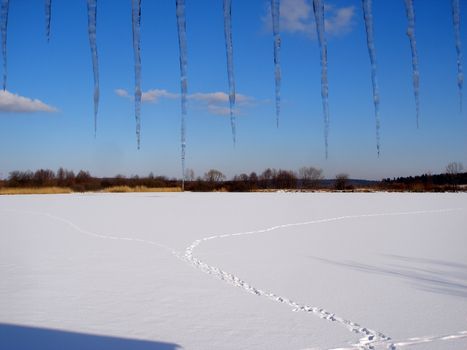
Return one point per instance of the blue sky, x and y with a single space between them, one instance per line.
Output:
59 132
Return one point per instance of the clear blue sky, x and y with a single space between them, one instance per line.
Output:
59 74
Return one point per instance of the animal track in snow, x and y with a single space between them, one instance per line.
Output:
371 339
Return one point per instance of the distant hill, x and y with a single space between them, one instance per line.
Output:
328 183
438 179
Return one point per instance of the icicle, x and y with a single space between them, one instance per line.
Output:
368 16
413 46
181 25
48 15
318 9
4 25
136 23
456 17
92 15
275 12
230 68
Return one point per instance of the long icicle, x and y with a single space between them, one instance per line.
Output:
275 12
92 17
230 67
368 16
413 46
456 18
48 15
318 9
181 26
3 28
136 24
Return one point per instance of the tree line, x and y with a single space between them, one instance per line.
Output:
453 179
212 180
81 181
269 179
307 178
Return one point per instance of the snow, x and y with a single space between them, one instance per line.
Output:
226 271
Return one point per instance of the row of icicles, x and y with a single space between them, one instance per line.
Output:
319 12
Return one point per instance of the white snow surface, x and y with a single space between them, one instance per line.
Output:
166 271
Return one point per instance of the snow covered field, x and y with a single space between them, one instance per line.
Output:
227 271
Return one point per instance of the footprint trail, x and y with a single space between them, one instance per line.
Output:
370 339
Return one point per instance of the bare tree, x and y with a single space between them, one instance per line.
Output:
341 181
20 178
214 176
44 177
266 177
285 179
253 180
242 177
310 176
83 177
65 177
453 169
69 178
189 175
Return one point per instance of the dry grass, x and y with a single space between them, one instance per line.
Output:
57 190
35 190
124 189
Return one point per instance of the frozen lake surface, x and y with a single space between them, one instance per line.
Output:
202 271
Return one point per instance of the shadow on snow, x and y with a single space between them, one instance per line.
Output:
431 275
15 337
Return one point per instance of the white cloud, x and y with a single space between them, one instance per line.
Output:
297 17
219 110
15 103
210 97
216 103
153 95
122 93
218 97
340 20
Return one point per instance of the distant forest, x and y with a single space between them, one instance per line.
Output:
305 179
